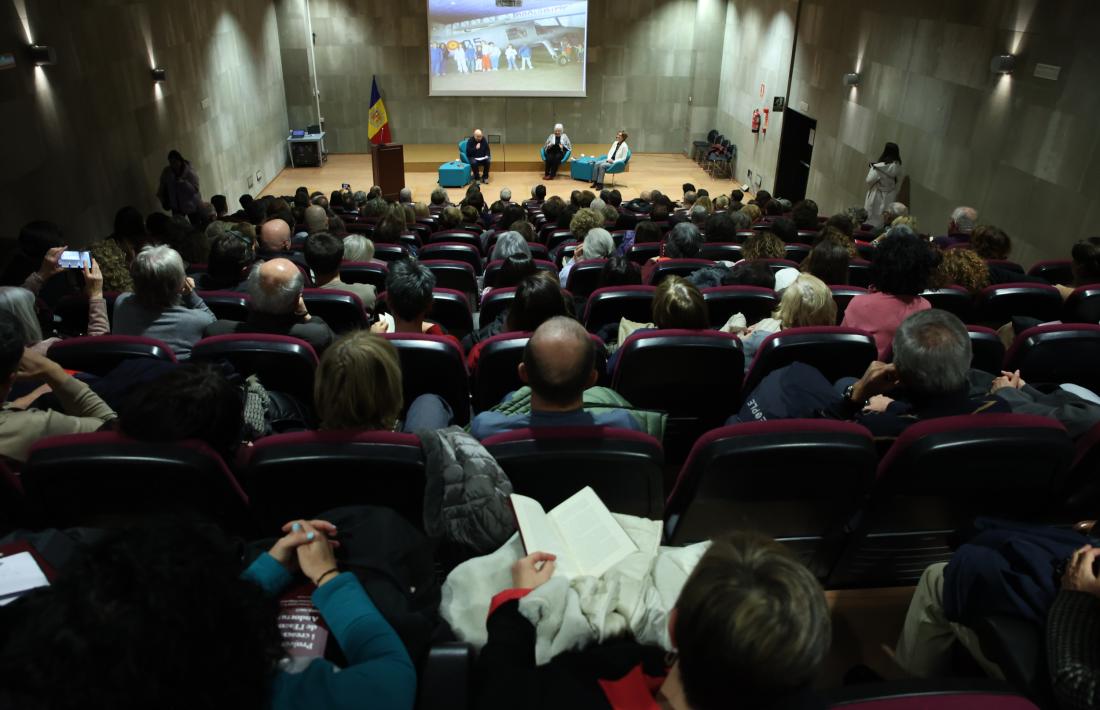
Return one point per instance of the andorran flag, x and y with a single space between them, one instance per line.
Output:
379 126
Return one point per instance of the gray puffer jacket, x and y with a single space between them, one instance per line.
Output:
466 494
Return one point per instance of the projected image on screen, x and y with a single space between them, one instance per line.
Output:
507 47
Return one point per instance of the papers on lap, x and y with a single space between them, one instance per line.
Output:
581 532
19 573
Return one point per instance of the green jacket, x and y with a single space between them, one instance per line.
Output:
596 399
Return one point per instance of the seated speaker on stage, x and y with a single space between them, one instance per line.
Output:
477 150
556 151
617 153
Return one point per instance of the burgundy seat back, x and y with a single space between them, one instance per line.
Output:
953 299
677 267
98 355
937 694
1056 354
837 352
433 364
282 363
640 253
795 480
457 275
1056 271
584 277
550 464
722 251
364 272
556 237
342 467
1083 305
451 309
493 268
988 350
797 252
494 303
226 305
754 302
452 251
995 305
456 236
390 252
1005 264
342 310
859 273
105 479
497 370
609 305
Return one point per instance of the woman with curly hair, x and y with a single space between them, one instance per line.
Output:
962 267
763 245
901 268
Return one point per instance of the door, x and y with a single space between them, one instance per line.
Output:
796 146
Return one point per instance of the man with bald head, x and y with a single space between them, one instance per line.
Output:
275 290
559 364
477 152
274 241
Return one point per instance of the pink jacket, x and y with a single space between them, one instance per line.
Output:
880 314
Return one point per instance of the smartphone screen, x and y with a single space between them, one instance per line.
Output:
346 185
75 260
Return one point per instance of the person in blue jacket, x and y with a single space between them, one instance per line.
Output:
160 616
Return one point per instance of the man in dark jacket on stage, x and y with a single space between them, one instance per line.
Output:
477 151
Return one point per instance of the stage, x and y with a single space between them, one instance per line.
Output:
517 167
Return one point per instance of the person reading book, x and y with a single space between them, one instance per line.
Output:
559 363
751 628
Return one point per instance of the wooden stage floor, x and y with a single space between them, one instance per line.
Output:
666 172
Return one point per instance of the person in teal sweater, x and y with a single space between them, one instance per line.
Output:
161 616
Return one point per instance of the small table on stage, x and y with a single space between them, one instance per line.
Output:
307 151
581 168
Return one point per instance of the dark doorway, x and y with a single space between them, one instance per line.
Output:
796 146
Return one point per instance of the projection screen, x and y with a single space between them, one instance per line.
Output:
507 47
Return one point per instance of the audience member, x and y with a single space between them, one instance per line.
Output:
163 304
597 244
274 242
409 287
751 623
275 289
115 253
358 386
720 228
682 242
928 378
20 302
959 229
829 262
559 364
620 271
807 301
901 268
646 232
677 304
232 256
763 245
990 242
324 254
804 213
20 428
962 267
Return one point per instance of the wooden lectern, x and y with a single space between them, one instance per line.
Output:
388 163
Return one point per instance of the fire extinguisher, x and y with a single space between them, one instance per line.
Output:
756 120
766 115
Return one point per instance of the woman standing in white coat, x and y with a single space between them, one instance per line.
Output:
883 182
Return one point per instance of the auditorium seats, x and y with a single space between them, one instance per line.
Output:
226 305
641 253
1054 271
843 295
364 272
100 354
695 376
364 228
455 236
282 363
797 480
14 512
777 265
859 273
341 467
988 350
493 268
342 310
105 480
676 267
445 679
754 302
495 374
797 252
995 305
837 352
942 473
495 302
609 305
453 251
953 299
1082 488
451 309
455 275
722 251
550 464
558 236
1057 353
1083 305
433 364
1006 265
584 277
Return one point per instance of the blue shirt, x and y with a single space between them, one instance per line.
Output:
487 424
378 672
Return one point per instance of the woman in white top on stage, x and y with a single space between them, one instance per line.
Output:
618 151
883 182
556 146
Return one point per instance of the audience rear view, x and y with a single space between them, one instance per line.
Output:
748 625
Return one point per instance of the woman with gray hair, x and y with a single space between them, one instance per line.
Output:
597 244
555 150
164 304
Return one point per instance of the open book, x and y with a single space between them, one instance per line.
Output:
581 532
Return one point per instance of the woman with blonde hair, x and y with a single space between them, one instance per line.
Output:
806 302
753 212
677 304
358 386
705 203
